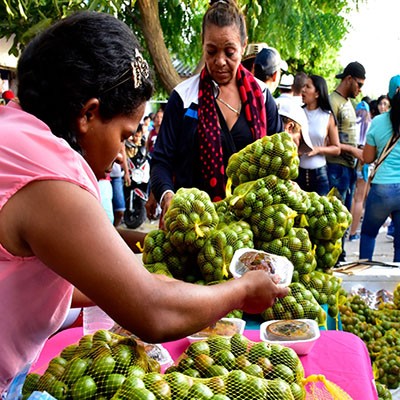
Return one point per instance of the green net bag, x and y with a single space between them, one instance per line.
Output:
325 289
298 304
272 222
216 254
275 154
296 246
327 217
327 253
190 219
161 256
98 367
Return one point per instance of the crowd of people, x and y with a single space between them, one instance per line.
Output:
83 85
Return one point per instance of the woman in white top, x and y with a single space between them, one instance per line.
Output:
322 126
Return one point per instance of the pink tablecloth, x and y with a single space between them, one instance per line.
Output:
340 356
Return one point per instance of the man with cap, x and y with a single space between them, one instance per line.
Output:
268 66
341 169
286 88
252 50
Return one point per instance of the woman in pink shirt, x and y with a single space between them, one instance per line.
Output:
83 86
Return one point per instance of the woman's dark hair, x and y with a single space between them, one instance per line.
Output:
224 13
323 99
395 113
87 55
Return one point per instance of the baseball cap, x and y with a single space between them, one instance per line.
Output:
393 85
290 108
270 60
286 81
8 95
354 69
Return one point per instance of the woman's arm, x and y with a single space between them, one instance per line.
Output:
66 227
369 153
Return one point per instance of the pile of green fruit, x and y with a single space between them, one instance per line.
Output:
270 155
379 329
102 366
241 369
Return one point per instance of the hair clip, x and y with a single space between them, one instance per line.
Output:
140 69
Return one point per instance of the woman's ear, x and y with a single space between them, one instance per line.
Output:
88 115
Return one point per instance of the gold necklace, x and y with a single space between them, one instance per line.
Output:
235 110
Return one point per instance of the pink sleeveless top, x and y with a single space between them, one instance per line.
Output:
34 299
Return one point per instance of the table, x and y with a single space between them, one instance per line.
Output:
340 356
374 278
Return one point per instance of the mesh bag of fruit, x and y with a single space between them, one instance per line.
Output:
272 222
275 154
102 366
216 254
296 246
325 289
327 253
298 304
161 257
190 219
235 368
327 217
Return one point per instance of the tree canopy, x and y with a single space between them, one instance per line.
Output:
308 33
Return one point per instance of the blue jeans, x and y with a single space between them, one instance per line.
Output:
382 201
118 199
314 180
344 180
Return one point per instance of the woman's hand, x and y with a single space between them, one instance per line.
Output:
261 293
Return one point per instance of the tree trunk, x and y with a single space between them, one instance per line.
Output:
156 45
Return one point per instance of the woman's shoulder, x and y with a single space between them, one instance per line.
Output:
188 90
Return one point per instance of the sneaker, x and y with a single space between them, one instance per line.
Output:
354 237
390 232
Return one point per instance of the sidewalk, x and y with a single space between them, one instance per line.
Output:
383 249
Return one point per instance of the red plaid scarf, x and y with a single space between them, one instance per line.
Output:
211 159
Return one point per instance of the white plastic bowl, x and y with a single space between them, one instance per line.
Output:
237 322
301 347
283 267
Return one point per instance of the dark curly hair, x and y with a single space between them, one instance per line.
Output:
225 13
78 58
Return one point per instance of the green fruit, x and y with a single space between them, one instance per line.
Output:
59 390
102 366
259 350
279 389
200 391
161 390
254 370
102 335
84 388
217 370
197 348
179 384
123 355
151 377
239 344
112 384
132 382
30 383
75 369
225 358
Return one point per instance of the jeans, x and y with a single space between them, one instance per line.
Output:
344 180
314 180
118 199
382 201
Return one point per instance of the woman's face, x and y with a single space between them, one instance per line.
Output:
223 52
101 141
309 93
383 106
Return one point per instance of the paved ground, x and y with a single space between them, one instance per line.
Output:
383 249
